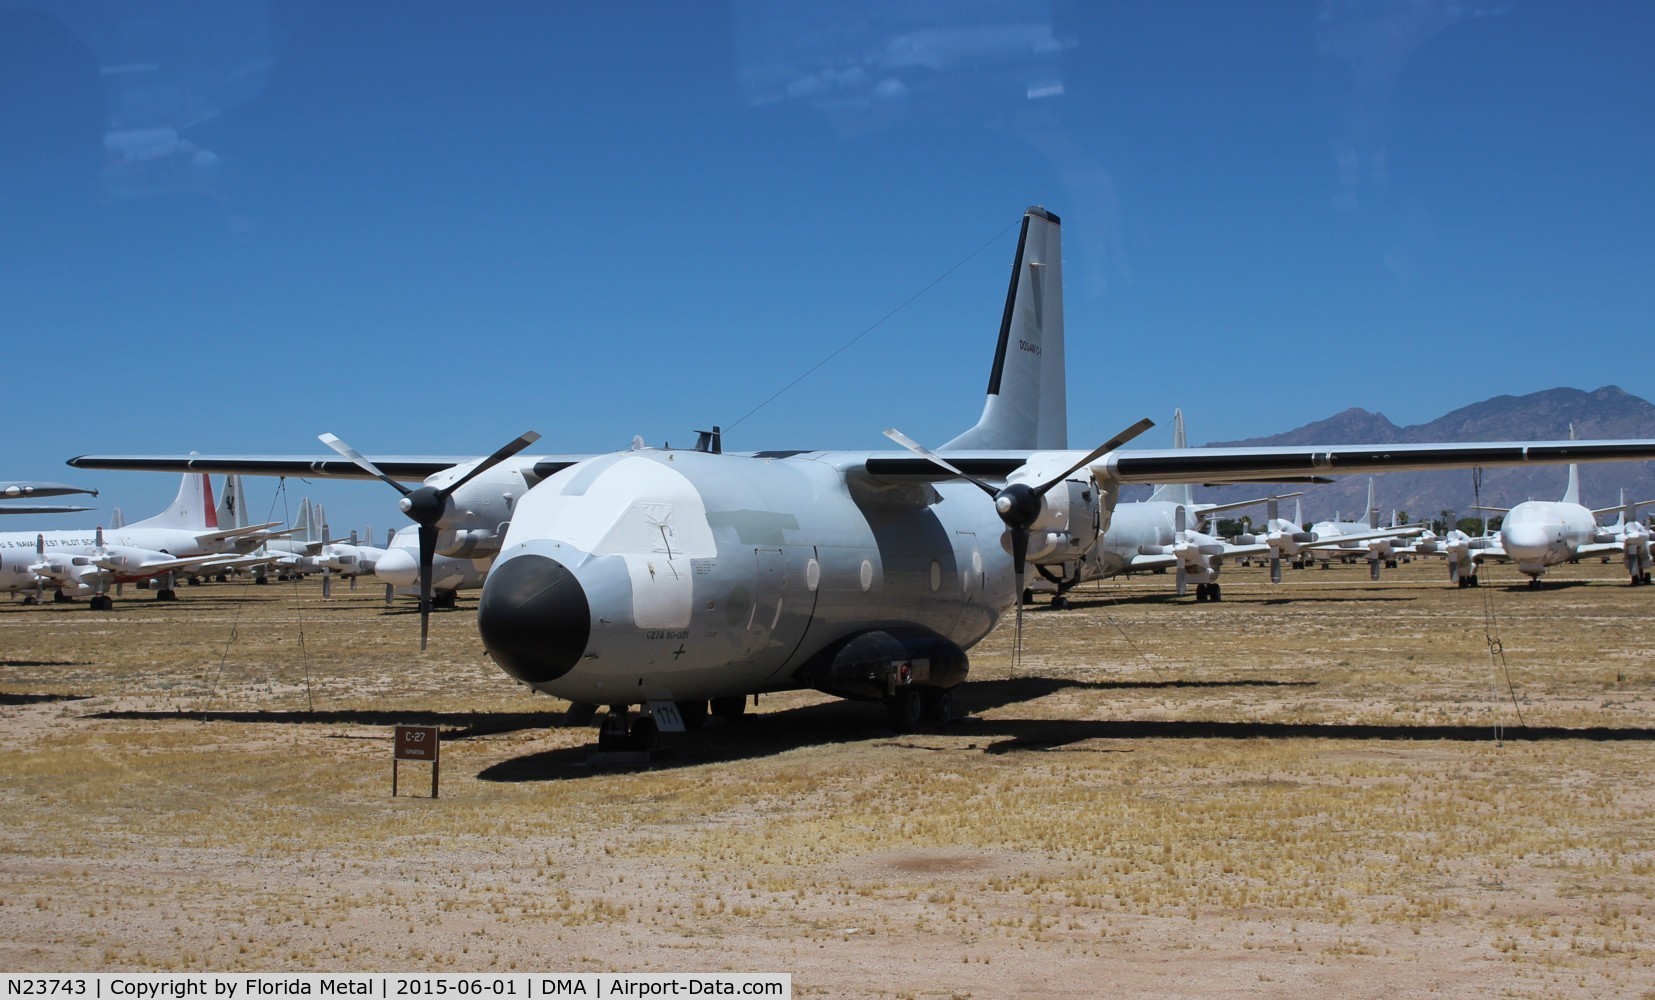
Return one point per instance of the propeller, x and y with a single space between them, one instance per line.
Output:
323 555
39 568
1271 510
1180 525
1019 505
426 505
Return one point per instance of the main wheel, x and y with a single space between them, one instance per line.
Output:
905 709
1214 592
939 705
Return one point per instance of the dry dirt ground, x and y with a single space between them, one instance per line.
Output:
1298 791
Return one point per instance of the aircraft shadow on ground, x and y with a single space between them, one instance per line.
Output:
45 663
38 699
1245 600
454 725
849 722
842 722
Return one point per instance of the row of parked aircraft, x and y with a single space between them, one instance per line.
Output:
663 583
194 538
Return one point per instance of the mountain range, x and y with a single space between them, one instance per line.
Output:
1609 412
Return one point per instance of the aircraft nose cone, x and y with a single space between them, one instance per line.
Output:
1524 541
398 567
534 618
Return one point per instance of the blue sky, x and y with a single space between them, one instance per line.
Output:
428 227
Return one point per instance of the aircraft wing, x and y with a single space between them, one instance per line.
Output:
217 536
155 568
1367 536
10 490
36 509
1601 549
1205 465
404 468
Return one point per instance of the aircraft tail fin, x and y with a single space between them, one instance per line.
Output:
1176 492
117 520
1027 407
193 509
301 523
232 506
1571 493
1373 512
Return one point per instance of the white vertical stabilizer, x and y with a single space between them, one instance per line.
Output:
1027 407
1571 493
1176 492
193 509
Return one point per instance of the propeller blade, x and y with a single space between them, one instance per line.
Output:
427 555
518 444
935 459
1019 554
1097 453
1275 569
338 445
1373 570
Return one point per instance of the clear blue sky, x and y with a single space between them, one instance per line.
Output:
427 227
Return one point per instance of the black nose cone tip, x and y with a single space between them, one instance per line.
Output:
534 618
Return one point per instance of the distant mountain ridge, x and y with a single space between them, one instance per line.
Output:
1608 412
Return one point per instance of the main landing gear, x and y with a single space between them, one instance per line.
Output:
912 707
1468 581
1208 592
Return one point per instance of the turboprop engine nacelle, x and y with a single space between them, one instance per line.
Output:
1071 514
475 517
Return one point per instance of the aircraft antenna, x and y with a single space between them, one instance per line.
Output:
842 348
1491 630
212 692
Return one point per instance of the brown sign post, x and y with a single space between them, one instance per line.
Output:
416 743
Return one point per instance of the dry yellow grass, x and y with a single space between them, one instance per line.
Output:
1296 791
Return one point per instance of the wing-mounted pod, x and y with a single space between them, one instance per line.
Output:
883 664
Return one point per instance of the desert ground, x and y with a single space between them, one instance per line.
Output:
1327 787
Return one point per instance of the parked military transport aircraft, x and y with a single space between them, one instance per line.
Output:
671 578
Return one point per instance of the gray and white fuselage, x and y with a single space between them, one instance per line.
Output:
672 575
